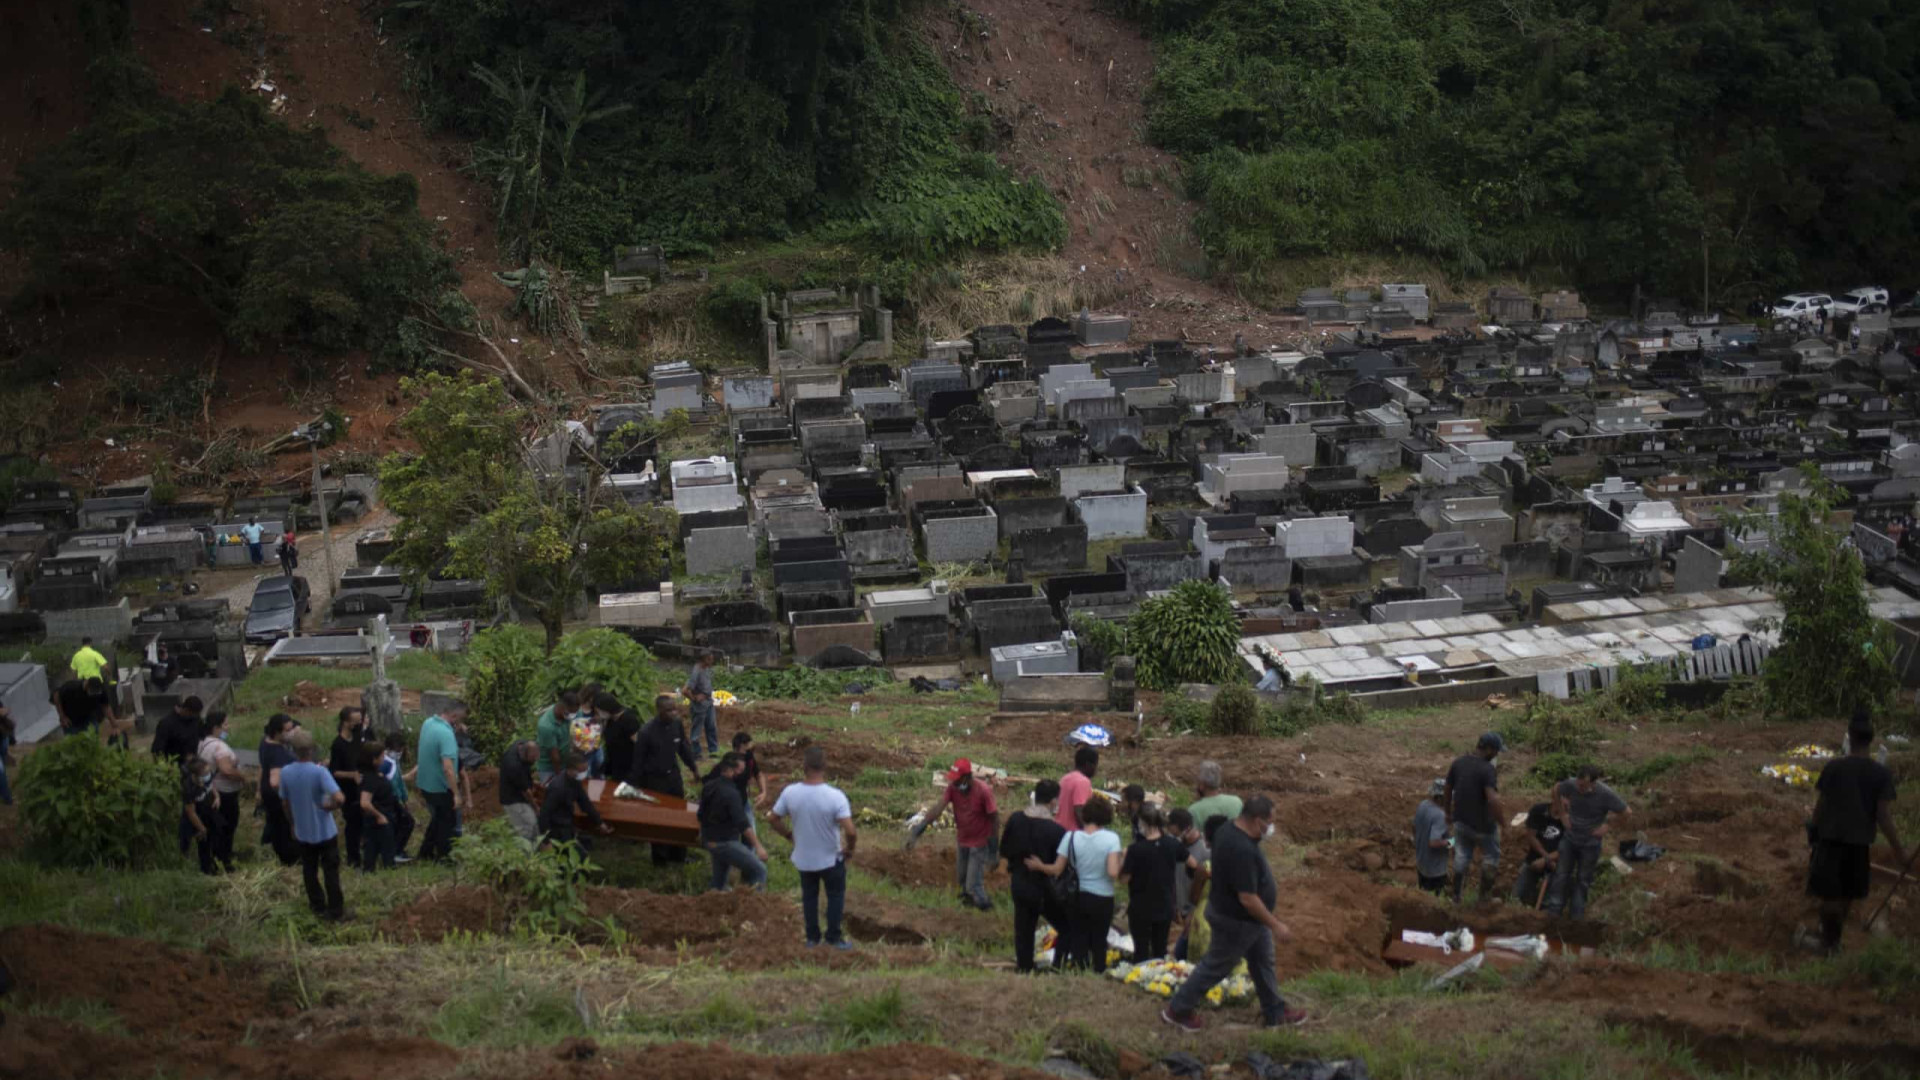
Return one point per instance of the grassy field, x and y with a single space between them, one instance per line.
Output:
1686 981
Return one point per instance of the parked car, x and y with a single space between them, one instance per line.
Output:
279 604
1801 305
1867 298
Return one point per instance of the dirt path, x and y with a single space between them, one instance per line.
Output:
236 586
1067 82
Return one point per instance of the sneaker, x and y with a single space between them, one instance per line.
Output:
1289 1018
1189 1022
843 945
813 944
401 860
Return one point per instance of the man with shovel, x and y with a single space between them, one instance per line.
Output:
1856 798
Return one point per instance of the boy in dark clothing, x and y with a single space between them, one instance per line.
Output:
201 809
1544 831
1034 832
726 829
566 795
1856 798
1147 872
343 760
379 806
390 768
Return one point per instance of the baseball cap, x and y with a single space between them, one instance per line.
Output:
1493 739
961 767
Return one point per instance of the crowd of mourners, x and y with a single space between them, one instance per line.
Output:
1198 884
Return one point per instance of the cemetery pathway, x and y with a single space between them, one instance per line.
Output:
236 586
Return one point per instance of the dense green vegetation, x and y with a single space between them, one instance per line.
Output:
269 228
685 122
1690 147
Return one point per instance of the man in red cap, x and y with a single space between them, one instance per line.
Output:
976 821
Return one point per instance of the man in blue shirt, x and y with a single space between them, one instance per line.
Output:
251 532
312 796
438 780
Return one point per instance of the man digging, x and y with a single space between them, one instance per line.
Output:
1856 798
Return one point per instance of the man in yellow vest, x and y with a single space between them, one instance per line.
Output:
87 663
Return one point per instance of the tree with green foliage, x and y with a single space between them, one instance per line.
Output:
1833 656
474 502
1190 635
690 122
269 228
1701 149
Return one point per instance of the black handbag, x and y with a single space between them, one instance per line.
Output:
1065 886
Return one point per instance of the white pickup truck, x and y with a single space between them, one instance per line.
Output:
1855 301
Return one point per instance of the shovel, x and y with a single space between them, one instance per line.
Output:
1902 880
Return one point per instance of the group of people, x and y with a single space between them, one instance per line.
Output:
1463 816
287 549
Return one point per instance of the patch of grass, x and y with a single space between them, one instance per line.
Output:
1890 966
1688 957
505 1012
722 1014
90 1013
165 905
1332 987
1659 765
871 1019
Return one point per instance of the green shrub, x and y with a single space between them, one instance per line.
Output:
798 683
86 804
1554 726
1552 768
1105 638
506 680
1236 711
622 666
1311 705
540 887
1190 635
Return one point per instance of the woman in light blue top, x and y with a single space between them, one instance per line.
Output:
1095 851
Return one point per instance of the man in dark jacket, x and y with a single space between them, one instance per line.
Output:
726 831
566 796
1856 800
1034 832
176 737
661 750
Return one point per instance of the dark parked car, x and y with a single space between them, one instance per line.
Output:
279 604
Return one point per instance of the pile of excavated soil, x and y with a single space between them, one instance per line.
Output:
930 865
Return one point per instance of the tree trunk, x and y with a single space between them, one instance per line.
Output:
550 622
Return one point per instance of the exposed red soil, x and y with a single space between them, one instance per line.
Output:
183 1010
486 795
1067 82
1741 1020
337 74
930 864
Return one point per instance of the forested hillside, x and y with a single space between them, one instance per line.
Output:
685 122
1706 148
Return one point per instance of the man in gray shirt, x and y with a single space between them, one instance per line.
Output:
1430 839
1583 803
699 692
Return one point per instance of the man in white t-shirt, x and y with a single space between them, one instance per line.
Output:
818 819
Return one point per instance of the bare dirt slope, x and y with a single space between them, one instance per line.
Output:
1066 81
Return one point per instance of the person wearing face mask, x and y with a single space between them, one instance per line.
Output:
344 760
1094 851
976 827
566 796
275 754
378 808
391 771
726 829
1033 831
1242 923
200 813
517 794
228 782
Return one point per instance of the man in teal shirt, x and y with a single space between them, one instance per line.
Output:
439 779
553 736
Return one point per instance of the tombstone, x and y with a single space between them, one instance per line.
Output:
1696 567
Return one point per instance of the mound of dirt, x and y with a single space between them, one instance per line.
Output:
486 795
206 997
1740 1020
931 865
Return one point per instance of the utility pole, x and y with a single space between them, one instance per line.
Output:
312 433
